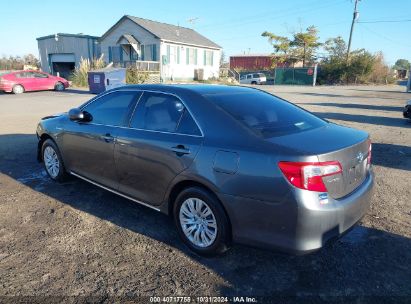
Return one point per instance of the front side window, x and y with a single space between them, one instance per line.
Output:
163 112
112 109
40 75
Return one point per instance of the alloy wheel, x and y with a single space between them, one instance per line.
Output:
198 222
51 161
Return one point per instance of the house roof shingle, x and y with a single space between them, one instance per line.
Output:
170 32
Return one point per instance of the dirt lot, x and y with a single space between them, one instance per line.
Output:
75 239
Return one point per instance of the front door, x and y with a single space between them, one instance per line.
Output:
42 81
162 141
89 146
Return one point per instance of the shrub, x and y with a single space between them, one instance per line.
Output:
79 77
136 76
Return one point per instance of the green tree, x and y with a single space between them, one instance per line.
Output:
305 44
360 66
402 64
335 47
30 59
281 47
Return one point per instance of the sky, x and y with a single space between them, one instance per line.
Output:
235 25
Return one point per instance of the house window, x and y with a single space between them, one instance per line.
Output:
133 54
149 52
191 56
115 54
173 53
208 57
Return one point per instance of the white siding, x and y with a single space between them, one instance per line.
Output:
171 70
128 27
184 71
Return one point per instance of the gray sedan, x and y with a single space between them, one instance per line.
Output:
228 163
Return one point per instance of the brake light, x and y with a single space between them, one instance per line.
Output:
309 175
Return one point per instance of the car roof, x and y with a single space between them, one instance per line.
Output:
200 89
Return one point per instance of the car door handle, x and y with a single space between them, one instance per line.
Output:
107 138
180 150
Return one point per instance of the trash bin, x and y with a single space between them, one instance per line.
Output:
106 79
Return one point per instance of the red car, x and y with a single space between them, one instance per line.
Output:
24 81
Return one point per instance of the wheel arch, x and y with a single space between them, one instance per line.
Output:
188 183
42 139
57 82
18 84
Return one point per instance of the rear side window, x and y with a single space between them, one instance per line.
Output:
112 109
163 112
157 112
21 75
187 125
266 115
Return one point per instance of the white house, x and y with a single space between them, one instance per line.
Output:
179 53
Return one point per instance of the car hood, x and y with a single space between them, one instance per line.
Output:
54 116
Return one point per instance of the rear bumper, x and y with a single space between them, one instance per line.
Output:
299 224
6 87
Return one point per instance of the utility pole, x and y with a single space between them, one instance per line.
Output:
354 18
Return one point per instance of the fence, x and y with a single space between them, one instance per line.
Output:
141 65
298 76
289 76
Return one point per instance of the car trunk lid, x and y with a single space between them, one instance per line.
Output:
353 160
334 143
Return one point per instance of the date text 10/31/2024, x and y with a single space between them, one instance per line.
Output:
173 299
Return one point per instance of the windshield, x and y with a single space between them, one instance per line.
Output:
266 115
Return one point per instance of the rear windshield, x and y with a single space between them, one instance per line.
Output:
264 114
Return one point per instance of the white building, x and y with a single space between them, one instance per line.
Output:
179 53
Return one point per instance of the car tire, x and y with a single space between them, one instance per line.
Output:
18 89
253 82
53 162
206 232
59 86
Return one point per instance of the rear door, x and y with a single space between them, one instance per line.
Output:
88 148
25 79
162 141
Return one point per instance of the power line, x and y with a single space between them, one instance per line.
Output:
385 37
278 14
386 21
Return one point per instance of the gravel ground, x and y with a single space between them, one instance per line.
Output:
74 239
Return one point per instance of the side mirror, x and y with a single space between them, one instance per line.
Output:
77 115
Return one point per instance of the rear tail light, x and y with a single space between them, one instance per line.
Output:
309 175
